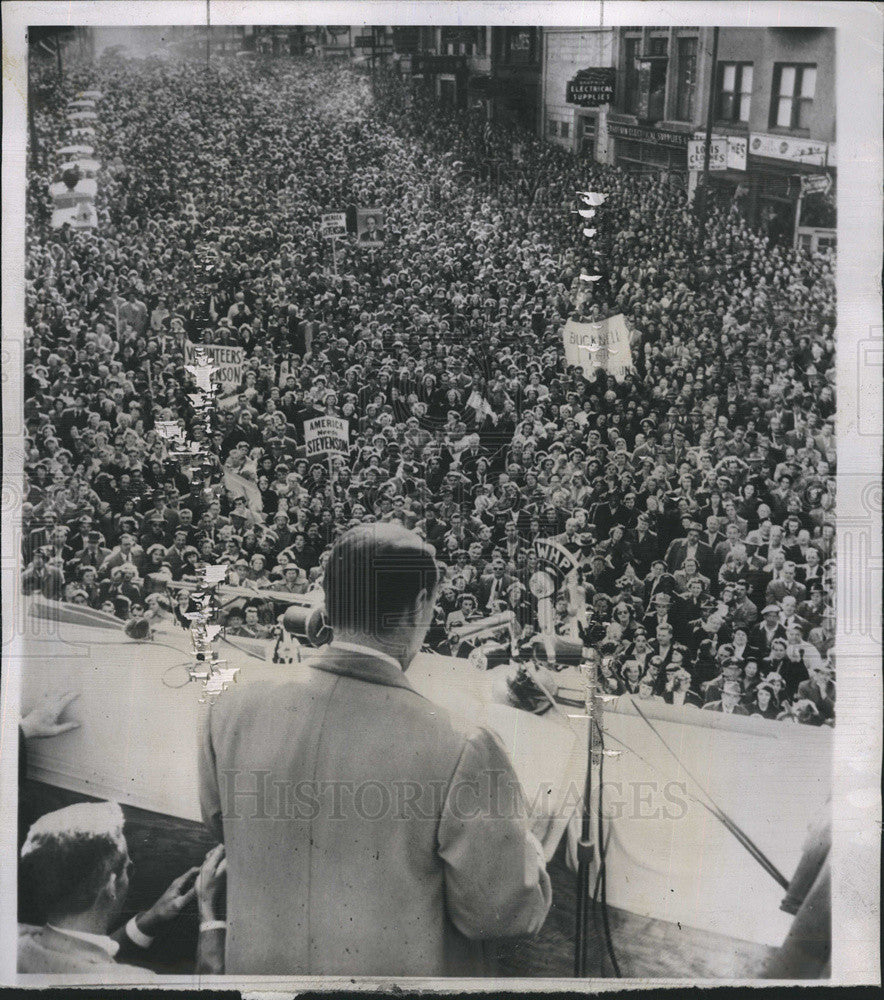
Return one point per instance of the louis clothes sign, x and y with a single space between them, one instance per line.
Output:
326 436
228 362
726 152
604 345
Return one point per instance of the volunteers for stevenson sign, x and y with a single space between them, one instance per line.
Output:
228 363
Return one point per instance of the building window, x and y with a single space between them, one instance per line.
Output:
448 91
687 79
520 46
793 90
481 41
734 92
565 130
586 134
631 53
551 127
658 47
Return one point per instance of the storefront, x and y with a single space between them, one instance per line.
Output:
445 76
787 182
650 148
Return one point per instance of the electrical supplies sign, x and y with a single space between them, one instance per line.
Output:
604 345
591 87
326 436
228 362
333 225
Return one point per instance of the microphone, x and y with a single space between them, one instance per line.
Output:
483 627
305 620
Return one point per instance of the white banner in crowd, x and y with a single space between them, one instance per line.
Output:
604 345
332 225
228 362
327 436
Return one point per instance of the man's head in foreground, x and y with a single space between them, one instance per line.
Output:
75 866
380 589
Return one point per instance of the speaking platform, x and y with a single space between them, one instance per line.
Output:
668 857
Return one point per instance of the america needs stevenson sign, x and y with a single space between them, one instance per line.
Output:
591 87
326 436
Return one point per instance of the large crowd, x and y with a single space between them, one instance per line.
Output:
697 493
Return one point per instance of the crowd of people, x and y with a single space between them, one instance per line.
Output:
697 493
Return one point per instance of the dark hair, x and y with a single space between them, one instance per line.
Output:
374 574
64 874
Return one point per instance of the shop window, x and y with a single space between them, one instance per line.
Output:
520 46
565 130
631 52
658 46
794 86
734 96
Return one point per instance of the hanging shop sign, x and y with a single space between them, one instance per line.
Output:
591 87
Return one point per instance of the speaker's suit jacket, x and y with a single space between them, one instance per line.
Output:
368 832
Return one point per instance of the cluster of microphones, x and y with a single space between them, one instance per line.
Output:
593 200
207 666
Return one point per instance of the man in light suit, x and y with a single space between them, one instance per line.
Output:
367 831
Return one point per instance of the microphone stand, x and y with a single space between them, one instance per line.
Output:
585 845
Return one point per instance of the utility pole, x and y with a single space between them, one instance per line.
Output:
710 114
58 56
208 33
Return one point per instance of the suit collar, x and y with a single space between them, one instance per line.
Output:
98 946
368 667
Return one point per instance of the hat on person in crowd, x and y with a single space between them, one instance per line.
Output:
771 609
732 688
775 680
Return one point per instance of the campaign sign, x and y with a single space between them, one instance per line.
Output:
605 345
370 226
326 436
228 363
332 225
